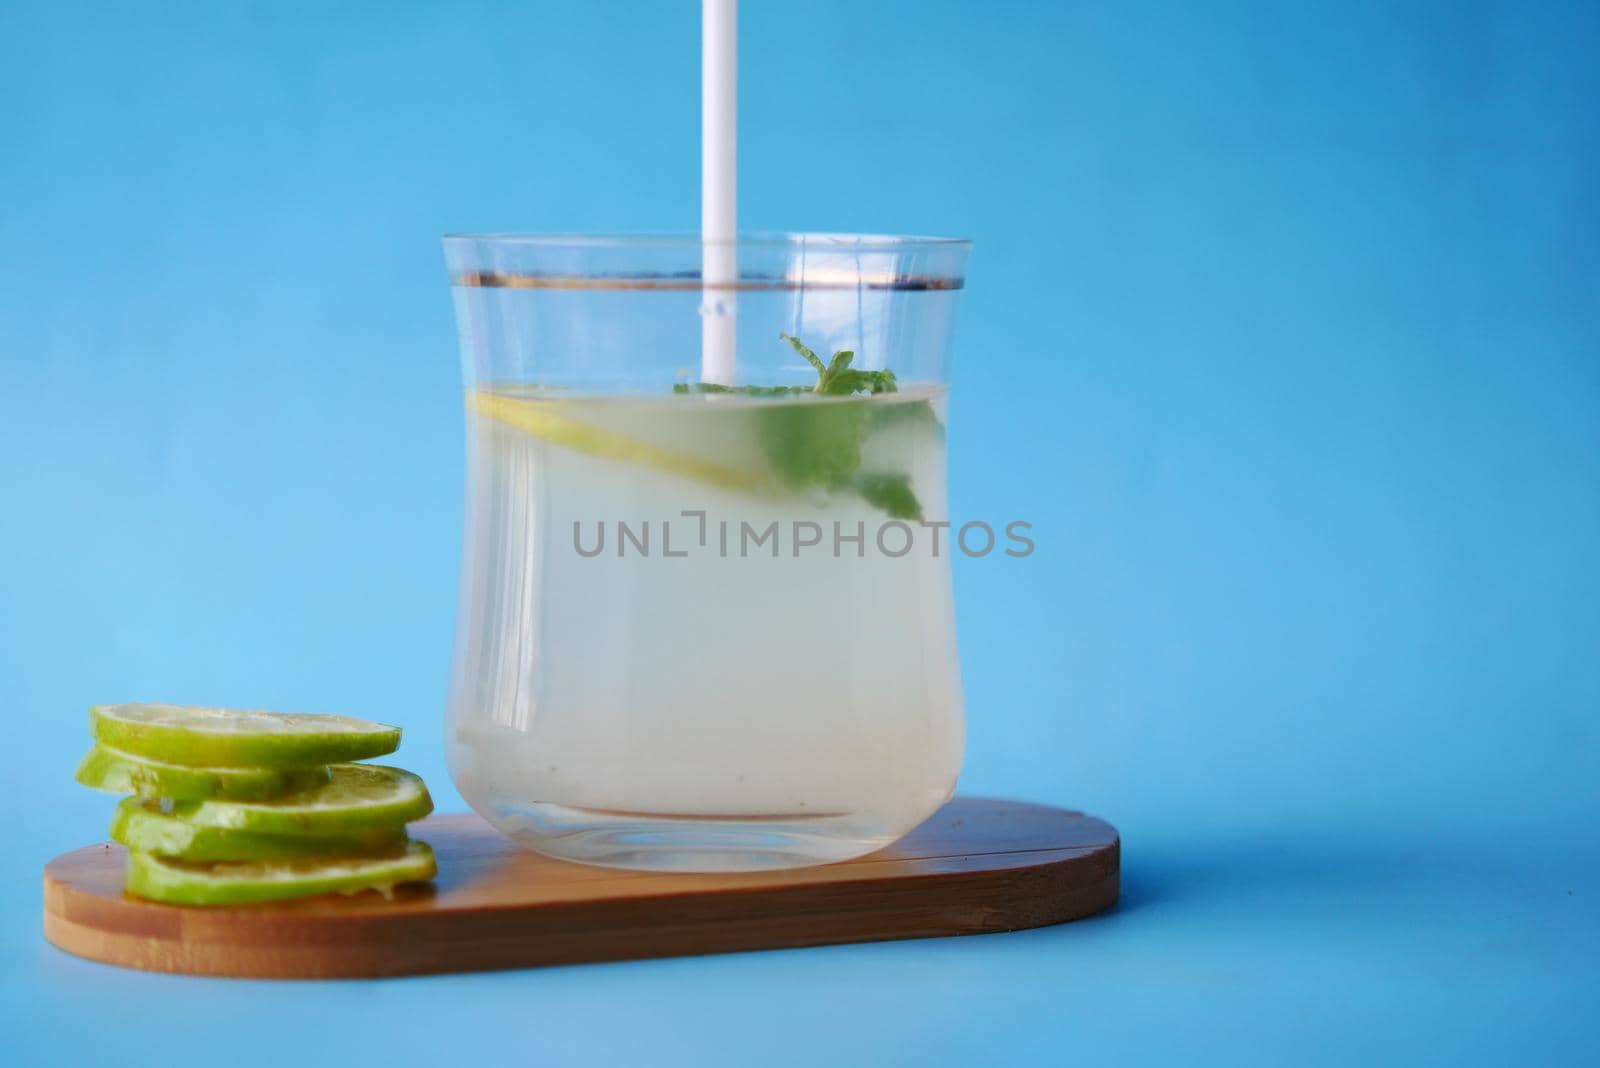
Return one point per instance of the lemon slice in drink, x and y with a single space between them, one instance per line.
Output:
116 772
356 797
539 418
233 738
180 882
144 828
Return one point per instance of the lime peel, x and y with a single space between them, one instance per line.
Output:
537 419
144 828
355 797
233 738
116 772
179 882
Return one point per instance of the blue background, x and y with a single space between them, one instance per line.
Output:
1283 330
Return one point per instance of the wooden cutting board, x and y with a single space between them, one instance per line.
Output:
976 866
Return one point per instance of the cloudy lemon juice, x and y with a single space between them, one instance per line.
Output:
710 617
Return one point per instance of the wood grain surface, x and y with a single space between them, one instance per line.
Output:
976 866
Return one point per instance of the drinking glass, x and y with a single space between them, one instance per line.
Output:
705 626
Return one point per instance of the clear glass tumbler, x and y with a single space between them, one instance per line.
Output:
705 628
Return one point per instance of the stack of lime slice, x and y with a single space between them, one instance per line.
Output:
232 807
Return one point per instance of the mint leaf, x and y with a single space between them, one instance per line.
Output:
814 446
818 446
812 358
837 379
892 493
748 391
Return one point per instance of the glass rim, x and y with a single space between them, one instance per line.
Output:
684 239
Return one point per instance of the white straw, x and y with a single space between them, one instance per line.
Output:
719 265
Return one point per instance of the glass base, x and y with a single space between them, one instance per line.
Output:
686 843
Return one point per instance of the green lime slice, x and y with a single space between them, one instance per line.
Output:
539 419
181 882
144 828
356 797
233 738
123 773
